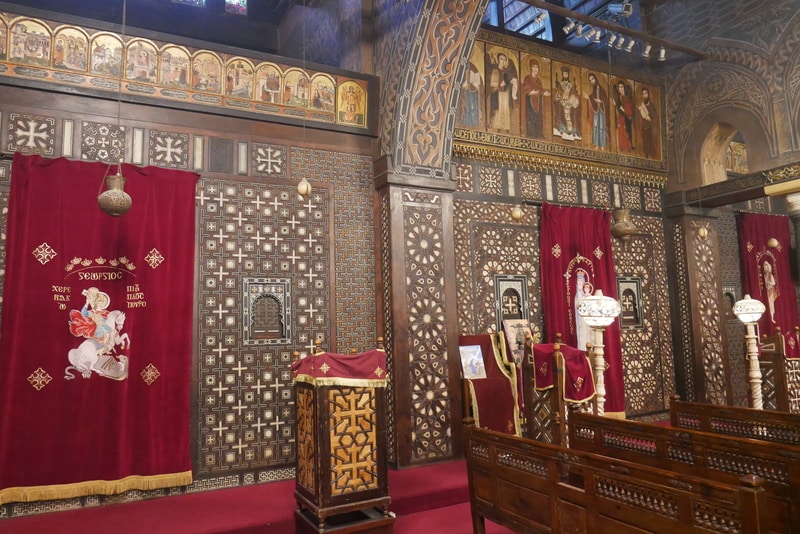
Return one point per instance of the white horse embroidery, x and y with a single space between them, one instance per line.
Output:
98 354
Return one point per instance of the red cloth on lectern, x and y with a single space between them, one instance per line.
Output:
365 368
766 272
494 403
96 334
575 248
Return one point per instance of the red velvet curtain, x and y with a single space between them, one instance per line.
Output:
576 259
766 271
96 334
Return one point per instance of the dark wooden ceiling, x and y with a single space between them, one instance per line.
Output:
256 31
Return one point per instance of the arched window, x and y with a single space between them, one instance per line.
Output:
237 7
267 311
267 321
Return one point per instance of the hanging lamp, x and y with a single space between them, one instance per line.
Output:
114 200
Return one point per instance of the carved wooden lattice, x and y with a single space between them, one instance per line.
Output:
354 433
385 254
305 438
249 233
793 385
684 374
745 427
428 375
649 376
769 396
706 296
543 421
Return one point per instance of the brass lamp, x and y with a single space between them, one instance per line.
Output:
114 200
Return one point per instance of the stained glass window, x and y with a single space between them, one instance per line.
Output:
196 3
238 7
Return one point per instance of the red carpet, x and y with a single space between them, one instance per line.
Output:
432 499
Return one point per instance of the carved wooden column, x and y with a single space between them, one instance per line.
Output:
702 371
422 64
419 302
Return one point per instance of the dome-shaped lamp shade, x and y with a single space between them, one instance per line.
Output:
748 310
598 310
114 200
304 187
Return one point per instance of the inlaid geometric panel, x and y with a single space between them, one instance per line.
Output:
760 204
491 181
354 439
769 390
427 358
631 197
487 244
351 180
268 160
260 234
169 149
530 184
31 134
601 195
730 275
102 142
385 257
647 349
684 371
541 428
463 175
220 154
652 199
567 189
705 298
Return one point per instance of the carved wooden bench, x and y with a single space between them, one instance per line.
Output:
765 425
712 456
531 486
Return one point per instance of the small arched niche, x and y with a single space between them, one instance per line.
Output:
267 311
723 152
704 158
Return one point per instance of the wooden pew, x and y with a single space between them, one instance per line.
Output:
712 456
765 425
535 487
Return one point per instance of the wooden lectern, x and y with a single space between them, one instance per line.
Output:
341 477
